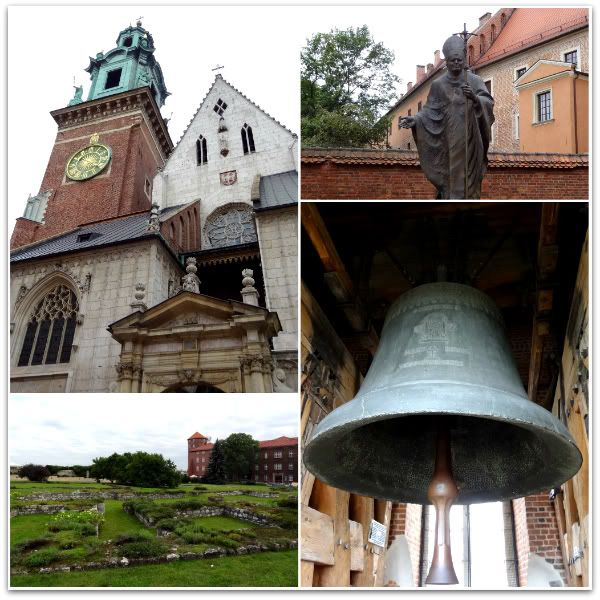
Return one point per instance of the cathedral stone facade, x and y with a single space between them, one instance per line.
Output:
140 267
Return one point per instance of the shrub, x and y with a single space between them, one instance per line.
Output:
143 549
201 488
42 558
289 502
34 472
190 504
168 524
137 536
33 544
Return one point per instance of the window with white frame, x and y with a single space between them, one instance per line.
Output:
519 71
266 467
277 466
291 453
516 126
266 455
290 478
290 466
572 56
543 106
277 454
266 478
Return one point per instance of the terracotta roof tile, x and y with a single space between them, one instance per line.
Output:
280 441
368 156
197 436
530 26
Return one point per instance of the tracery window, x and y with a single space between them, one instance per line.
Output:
201 151
247 139
231 225
51 328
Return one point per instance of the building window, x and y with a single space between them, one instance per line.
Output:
201 151
409 113
266 467
290 478
419 106
247 139
266 455
113 79
266 478
230 225
220 107
493 33
488 85
543 108
256 478
127 42
277 454
291 453
256 467
278 467
290 466
571 57
50 331
519 71
516 126
148 187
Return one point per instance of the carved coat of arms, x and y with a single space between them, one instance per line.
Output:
228 177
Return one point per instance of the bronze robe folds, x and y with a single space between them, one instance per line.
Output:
440 135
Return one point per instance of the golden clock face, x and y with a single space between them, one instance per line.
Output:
88 162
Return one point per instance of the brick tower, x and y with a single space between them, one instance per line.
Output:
107 148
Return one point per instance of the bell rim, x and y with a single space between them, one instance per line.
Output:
333 429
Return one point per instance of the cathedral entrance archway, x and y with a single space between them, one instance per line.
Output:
193 388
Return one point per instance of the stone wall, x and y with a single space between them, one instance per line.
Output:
104 282
278 239
353 174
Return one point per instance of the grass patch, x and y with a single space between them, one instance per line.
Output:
267 569
221 523
27 527
117 521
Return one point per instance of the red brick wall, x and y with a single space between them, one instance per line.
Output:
117 191
536 531
345 177
406 520
184 238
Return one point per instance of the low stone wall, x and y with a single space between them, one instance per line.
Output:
36 509
104 495
128 562
241 493
368 174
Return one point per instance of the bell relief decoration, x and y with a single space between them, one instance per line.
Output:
231 225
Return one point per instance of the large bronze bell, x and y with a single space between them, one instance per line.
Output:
443 393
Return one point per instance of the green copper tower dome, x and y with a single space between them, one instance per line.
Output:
129 66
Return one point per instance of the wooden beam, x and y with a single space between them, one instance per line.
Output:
317 536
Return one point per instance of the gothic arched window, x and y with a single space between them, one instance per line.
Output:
201 151
51 328
247 139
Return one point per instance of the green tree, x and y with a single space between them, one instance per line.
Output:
240 451
34 472
215 472
346 84
139 469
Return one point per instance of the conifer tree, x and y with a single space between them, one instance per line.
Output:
215 473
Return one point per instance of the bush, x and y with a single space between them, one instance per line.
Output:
200 488
168 524
83 522
35 473
137 536
289 502
143 549
42 558
33 544
191 504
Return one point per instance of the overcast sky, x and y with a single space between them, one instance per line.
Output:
259 47
68 429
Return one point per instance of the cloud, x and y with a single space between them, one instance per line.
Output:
70 429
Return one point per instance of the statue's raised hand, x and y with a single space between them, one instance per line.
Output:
407 122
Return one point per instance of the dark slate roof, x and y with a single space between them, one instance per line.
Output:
277 191
107 232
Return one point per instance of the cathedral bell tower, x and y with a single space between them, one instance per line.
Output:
108 148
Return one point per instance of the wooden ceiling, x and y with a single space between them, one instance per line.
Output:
357 258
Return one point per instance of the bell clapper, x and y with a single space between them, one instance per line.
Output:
441 493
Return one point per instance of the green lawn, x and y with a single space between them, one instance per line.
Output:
117 521
28 527
267 569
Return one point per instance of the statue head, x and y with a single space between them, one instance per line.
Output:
453 50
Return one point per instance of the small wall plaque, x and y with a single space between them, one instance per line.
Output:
377 533
228 177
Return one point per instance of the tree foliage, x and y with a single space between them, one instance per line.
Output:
140 469
215 472
34 472
240 451
346 84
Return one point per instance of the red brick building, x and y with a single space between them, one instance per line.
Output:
277 459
